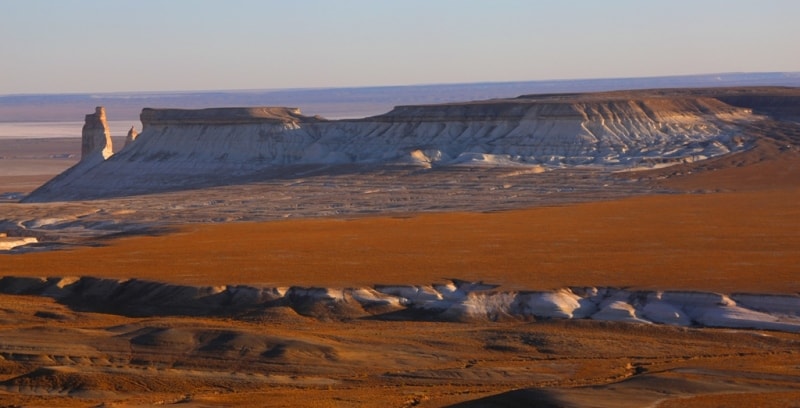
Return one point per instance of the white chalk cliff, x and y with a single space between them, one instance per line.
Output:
194 148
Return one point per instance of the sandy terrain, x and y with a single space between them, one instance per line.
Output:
55 356
729 242
27 163
728 225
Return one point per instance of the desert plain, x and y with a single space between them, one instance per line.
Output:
723 225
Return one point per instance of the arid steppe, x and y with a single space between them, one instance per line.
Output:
723 225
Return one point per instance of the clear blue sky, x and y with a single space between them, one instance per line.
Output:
143 45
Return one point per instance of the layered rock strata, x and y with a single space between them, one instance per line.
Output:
194 148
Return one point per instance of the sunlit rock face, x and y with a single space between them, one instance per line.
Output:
95 137
180 148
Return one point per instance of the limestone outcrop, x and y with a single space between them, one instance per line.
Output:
454 300
192 148
96 138
131 137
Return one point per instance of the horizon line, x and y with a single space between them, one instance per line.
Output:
325 88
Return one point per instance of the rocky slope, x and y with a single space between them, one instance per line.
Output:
181 149
450 301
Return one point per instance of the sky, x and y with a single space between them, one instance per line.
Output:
88 46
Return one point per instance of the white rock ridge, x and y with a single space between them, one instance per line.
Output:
194 148
454 301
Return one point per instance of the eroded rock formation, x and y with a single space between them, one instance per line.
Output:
179 148
96 138
454 300
132 134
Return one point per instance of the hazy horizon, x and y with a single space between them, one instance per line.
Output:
336 103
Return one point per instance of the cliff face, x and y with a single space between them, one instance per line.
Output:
555 132
779 103
185 148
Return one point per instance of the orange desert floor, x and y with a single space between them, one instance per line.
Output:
742 234
726 242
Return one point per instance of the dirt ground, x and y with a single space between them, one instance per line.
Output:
729 242
53 356
735 229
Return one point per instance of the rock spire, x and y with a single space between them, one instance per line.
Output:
132 134
95 136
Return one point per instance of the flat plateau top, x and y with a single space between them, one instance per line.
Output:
273 114
232 115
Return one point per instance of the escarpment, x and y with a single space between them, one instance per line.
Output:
181 148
